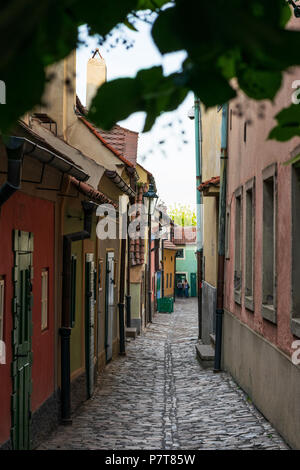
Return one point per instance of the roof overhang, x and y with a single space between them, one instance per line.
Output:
46 156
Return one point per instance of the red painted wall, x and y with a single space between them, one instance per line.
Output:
247 160
35 215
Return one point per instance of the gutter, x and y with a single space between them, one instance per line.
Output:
17 148
221 247
65 330
120 183
14 172
47 156
91 193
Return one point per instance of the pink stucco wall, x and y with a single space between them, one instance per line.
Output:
248 160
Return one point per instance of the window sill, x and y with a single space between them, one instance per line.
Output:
237 297
269 313
249 304
295 326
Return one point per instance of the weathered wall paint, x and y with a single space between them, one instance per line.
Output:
211 148
34 215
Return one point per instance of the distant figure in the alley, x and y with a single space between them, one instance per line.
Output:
186 287
180 288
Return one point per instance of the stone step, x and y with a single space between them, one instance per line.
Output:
130 332
205 354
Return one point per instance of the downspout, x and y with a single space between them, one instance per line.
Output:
14 151
121 304
198 149
221 243
128 296
65 330
149 268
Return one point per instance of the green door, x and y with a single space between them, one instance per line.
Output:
193 285
21 340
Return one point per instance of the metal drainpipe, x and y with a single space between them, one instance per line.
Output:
198 149
14 151
149 269
221 244
128 296
121 304
65 330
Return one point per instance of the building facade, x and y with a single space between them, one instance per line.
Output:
261 298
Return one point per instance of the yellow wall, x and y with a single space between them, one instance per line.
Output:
211 148
169 269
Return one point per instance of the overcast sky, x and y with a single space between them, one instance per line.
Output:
173 162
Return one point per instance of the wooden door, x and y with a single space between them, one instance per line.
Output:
22 334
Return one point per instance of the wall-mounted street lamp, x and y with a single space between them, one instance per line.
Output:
150 199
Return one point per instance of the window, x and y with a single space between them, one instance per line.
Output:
269 244
238 247
167 283
170 279
249 248
2 285
180 253
295 323
73 289
44 299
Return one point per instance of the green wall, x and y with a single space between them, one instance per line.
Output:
189 263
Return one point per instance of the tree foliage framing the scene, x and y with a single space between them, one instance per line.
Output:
182 215
223 40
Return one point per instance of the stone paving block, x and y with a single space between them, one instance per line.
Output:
158 396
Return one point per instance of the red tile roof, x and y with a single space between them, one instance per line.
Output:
98 133
169 245
119 140
123 140
92 193
214 181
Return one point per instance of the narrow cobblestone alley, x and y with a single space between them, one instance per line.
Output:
159 397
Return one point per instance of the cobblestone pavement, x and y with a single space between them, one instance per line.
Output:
159 397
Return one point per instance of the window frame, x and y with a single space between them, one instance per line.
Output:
249 299
269 312
295 230
183 252
238 194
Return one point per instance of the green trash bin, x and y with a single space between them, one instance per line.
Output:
165 305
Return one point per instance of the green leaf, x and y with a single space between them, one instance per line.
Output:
163 32
102 16
151 4
259 84
149 91
288 124
293 160
115 101
130 25
211 87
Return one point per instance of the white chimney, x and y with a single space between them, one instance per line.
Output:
95 76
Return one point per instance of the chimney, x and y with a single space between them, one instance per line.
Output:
95 76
